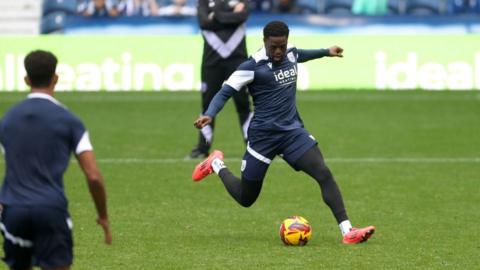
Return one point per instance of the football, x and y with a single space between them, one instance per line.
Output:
295 231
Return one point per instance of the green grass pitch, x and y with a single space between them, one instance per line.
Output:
407 162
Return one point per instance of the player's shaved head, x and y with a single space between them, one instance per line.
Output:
40 66
275 40
275 29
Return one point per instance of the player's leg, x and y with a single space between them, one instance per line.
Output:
17 237
245 190
312 163
53 248
211 83
300 150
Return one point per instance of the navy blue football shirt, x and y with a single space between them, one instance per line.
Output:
38 136
272 86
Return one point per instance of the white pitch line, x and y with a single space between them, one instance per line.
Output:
332 160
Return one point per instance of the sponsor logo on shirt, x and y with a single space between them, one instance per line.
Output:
286 76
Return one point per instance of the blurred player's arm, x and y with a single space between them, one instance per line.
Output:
96 186
238 15
307 55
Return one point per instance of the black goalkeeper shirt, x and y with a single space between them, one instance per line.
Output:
224 33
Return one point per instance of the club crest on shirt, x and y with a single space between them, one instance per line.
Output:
291 57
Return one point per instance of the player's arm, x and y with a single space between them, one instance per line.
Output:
96 186
307 55
215 106
237 16
205 17
239 79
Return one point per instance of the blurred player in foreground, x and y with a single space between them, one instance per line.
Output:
276 127
37 137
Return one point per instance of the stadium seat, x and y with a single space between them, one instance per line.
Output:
338 7
463 6
311 5
262 6
53 22
396 6
68 6
425 7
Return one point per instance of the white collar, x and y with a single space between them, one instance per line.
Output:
260 55
44 96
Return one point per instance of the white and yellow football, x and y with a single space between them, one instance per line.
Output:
295 231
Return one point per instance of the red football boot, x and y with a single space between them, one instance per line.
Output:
204 168
356 236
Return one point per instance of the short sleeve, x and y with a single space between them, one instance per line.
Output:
84 144
243 75
80 137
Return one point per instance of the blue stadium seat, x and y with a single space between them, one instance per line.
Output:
464 6
53 22
68 6
338 6
425 7
311 5
261 6
396 6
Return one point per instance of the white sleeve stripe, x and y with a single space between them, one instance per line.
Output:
240 78
84 144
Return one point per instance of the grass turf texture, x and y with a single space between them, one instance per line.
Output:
407 162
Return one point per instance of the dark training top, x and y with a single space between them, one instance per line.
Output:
224 35
38 135
272 86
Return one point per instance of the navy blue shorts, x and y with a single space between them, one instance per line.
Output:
36 236
263 146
